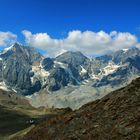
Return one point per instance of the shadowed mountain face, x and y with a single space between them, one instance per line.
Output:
25 71
16 63
116 116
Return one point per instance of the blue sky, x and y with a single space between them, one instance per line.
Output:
58 17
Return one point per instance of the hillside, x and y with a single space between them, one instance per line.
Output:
114 117
11 121
17 116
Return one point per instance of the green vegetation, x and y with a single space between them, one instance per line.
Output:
11 121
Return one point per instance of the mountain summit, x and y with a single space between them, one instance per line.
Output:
16 63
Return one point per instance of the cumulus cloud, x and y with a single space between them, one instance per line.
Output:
43 41
7 38
88 42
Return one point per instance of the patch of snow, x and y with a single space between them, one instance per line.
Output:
125 50
60 52
3 86
83 71
29 96
85 82
14 90
110 68
39 73
9 48
41 65
4 66
95 77
60 64
6 49
0 59
32 79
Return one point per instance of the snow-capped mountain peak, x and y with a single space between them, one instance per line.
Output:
26 71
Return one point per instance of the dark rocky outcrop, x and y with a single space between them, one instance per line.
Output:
16 66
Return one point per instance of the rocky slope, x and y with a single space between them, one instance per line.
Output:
69 80
115 116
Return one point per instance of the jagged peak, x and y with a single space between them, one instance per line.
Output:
126 50
12 47
71 54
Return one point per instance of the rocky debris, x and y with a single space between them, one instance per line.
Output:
115 116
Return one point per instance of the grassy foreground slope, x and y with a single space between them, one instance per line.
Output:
17 116
11 121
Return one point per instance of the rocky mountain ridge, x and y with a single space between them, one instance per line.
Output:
69 80
115 116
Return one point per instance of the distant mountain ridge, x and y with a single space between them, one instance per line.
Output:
68 78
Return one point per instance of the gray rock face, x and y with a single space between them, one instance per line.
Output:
59 78
26 71
16 66
47 63
128 67
68 68
72 58
77 63
124 67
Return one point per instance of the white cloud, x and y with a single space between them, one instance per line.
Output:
138 45
88 42
7 38
43 41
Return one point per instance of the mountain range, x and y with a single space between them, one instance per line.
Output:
84 96
68 80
